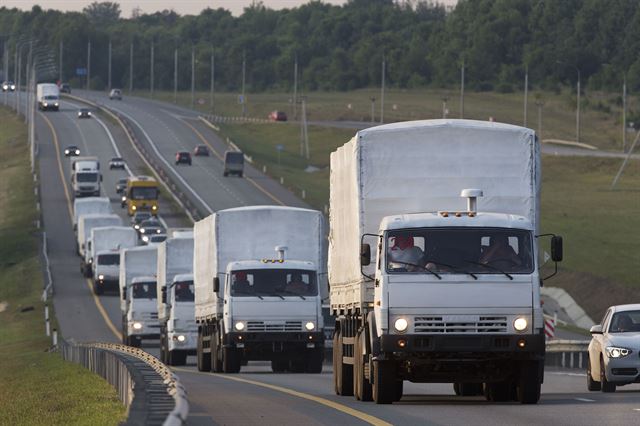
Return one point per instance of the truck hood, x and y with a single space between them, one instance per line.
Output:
109 271
143 307
462 293
184 314
247 308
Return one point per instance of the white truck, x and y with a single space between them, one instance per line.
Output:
138 305
102 257
85 176
176 310
259 273
90 205
86 223
48 96
424 289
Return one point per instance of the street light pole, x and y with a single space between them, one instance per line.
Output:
193 75
382 87
61 50
151 74
213 76
175 75
526 92
131 67
109 74
444 106
539 104
89 65
295 88
624 112
244 69
578 109
462 90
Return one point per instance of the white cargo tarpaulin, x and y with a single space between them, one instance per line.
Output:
175 256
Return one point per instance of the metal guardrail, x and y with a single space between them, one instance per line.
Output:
567 353
151 392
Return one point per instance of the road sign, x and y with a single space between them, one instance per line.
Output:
81 71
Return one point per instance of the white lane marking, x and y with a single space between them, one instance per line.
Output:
636 409
155 149
585 399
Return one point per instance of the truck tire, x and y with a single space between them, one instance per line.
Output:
279 365
216 363
314 361
384 382
231 360
399 390
497 392
342 373
361 385
297 365
203 359
177 357
529 382
469 389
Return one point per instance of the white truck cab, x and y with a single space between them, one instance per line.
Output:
142 311
181 328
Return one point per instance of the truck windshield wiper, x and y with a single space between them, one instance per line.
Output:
235 291
418 266
453 268
486 265
275 295
294 294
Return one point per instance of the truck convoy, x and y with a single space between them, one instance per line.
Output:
90 205
48 96
258 274
102 258
85 176
176 311
138 304
86 223
423 288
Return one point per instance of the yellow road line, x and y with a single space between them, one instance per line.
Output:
101 309
256 184
326 402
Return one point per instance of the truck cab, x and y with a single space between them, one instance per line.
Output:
181 329
106 270
141 311
272 312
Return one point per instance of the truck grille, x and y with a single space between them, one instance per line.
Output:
274 326
460 324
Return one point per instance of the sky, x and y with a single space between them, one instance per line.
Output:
182 7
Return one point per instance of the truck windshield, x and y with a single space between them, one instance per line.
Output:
184 291
274 282
460 251
51 97
144 290
109 259
234 158
144 193
87 177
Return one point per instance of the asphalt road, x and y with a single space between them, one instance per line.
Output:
257 396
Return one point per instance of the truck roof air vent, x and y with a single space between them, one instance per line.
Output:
472 198
281 250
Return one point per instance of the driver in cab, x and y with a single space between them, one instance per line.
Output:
403 255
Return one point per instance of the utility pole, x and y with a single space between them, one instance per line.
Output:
175 75
578 110
109 74
89 65
295 88
5 60
27 88
193 76
382 87
244 74
130 67
151 74
526 92
212 86
61 50
462 90
624 112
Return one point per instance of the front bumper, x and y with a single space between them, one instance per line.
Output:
189 344
148 330
622 371
263 345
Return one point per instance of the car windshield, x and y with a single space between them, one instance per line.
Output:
144 193
150 223
184 155
123 181
117 159
184 291
87 177
460 251
144 290
51 98
274 282
72 148
109 259
625 322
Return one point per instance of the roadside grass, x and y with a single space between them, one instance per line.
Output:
37 387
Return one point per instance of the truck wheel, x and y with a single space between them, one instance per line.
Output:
592 385
606 386
456 388
529 383
135 341
297 365
361 385
177 358
469 389
384 382
399 390
203 359
279 365
342 373
230 360
314 361
497 392
216 364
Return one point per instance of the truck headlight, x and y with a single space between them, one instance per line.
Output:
101 277
141 230
56 104
520 324
77 152
154 207
181 338
134 208
616 352
239 326
157 231
401 325
45 104
136 226
145 239
310 326
137 325
66 151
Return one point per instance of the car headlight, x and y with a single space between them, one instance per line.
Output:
401 325
239 326
154 207
141 230
124 198
137 325
616 352
520 324
310 326
181 338
101 277
89 113
145 239
77 152
13 87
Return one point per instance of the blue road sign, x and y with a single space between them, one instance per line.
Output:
81 71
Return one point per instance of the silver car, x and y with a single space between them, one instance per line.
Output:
614 350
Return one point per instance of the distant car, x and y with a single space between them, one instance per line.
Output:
121 185
71 151
116 163
115 94
84 113
138 218
151 227
153 239
614 348
201 150
183 157
65 88
278 116
8 86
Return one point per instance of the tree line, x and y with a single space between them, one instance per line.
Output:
340 48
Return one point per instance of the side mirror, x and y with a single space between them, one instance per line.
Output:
164 295
365 254
596 329
216 284
556 248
